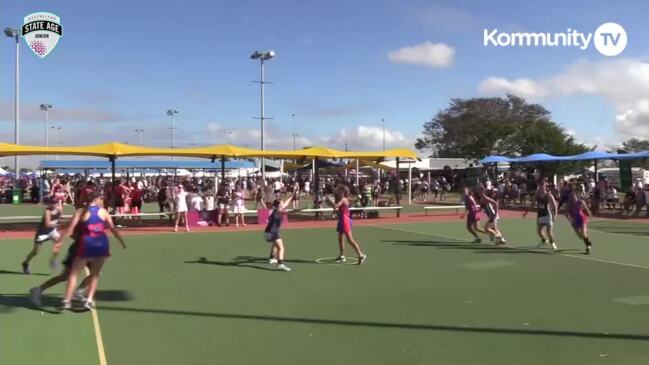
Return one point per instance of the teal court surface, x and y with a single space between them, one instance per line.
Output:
426 295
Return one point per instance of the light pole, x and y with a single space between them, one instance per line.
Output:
46 108
262 56
294 134
140 133
57 130
383 120
172 113
13 33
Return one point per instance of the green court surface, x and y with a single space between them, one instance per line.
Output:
425 296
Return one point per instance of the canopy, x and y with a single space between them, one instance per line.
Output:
543 157
116 149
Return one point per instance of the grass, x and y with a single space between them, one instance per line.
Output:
425 296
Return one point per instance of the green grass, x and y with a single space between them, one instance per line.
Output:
425 296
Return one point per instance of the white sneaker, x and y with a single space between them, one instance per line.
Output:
541 244
89 305
554 246
272 261
362 259
283 267
35 295
79 295
340 259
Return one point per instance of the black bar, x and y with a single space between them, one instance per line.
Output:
112 168
398 189
316 184
222 169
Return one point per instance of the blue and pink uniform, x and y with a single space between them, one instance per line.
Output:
579 219
472 210
93 242
344 219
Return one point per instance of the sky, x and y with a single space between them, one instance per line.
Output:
341 68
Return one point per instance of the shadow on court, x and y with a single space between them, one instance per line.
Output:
10 272
480 247
247 262
633 229
403 326
9 302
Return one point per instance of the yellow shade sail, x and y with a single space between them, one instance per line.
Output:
116 149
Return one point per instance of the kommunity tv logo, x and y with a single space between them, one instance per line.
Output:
610 39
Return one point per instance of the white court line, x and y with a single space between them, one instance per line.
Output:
100 339
587 258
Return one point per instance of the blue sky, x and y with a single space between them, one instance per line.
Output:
122 64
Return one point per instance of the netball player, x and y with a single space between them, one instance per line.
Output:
180 197
546 210
36 292
93 246
577 210
272 236
472 212
46 231
490 207
344 227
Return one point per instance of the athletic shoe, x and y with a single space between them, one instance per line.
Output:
340 259
187 229
89 305
26 268
283 267
79 296
477 240
175 229
554 246
362 259
588 250
272 261
65 306
35 295
543 242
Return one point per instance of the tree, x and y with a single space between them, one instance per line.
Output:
478 127
635 145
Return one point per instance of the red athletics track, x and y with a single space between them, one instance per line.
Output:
23 232
301 224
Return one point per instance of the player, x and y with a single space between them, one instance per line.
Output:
180 197
472 212
46 231
271 234
93 246
577 210
344 227
490 207
239 207
546 210
36 292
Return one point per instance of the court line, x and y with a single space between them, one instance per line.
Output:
98 336
587 258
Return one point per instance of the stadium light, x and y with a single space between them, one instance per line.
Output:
262 56
13 33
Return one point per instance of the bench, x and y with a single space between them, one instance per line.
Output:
397 209
443 207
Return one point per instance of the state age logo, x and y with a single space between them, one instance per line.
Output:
42 32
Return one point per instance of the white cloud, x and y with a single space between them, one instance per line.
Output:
251 137
425 54
525 88
367 138
623 82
